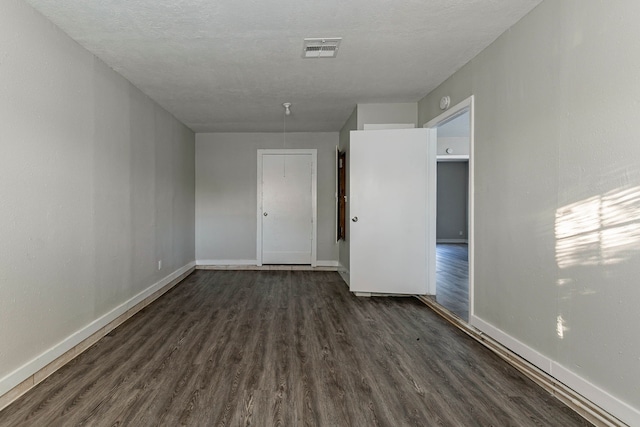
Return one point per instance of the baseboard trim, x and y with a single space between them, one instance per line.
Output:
328 263
452 241
279 267
566 389
225 262
588 397
18 382
235 264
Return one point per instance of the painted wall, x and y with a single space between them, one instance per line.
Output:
453 179
391 113
97 185
345 138
226 193
557 193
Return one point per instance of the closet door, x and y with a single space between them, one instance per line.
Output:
286 207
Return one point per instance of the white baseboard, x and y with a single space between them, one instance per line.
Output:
327 263
452 241
226 262
248 264
94 330
591 392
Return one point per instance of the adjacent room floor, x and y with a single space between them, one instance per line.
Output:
286 348
452 278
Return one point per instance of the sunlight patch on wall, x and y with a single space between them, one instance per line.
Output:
600 230
560 327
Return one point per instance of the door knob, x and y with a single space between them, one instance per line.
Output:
354 219
265 214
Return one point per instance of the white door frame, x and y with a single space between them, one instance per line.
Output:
314 198
450 114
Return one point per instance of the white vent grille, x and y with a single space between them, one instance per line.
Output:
321 47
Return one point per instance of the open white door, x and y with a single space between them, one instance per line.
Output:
393 189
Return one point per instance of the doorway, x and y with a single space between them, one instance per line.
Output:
452 265
286 213
454 219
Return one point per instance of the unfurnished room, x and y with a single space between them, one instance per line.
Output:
358 213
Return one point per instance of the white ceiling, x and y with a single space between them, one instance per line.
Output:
227 66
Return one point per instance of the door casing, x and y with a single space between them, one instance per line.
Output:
451 113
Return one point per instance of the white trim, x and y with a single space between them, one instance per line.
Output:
431 200
471 205
337 190
606 401
453 112
386 126
251 264
259 210
589 391
327 263
521 349
452 158
452 241
272 267
314 198
30 368
226 262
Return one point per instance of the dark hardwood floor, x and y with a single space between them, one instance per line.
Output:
452 278
286 348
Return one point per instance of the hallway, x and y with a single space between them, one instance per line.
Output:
452 278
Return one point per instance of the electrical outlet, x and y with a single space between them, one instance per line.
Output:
160 265
460 233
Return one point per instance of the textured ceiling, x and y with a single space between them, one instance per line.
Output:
227 66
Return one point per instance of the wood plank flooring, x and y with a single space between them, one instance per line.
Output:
452 278
285 348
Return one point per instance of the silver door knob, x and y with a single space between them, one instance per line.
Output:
354 219
265 214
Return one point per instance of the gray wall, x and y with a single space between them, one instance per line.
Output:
97 186
226 192
345 138
453 179
406 112
557 189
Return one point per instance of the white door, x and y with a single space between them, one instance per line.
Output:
393 188
288 207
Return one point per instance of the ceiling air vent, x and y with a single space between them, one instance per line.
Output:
321 47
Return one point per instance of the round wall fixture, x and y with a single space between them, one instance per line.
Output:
445 101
